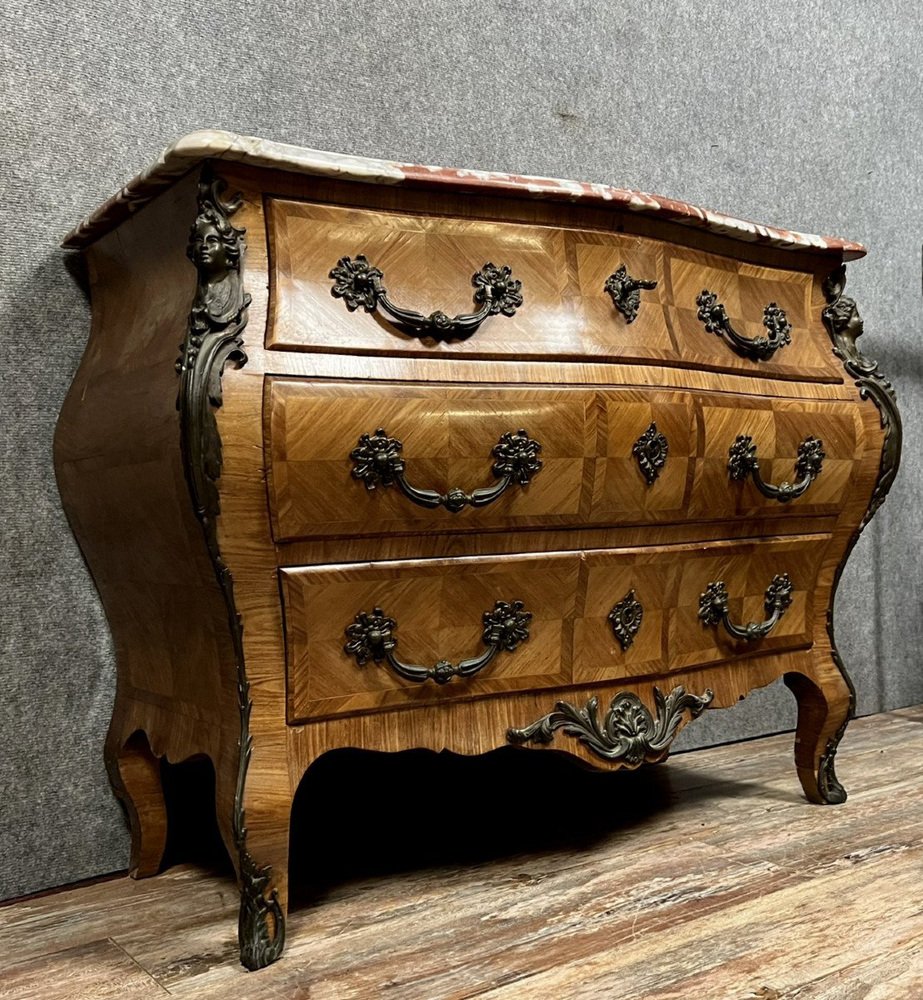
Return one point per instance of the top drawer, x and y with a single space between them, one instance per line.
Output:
428 263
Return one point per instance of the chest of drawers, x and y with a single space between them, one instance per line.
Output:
369 455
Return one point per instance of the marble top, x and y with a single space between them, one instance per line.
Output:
191 149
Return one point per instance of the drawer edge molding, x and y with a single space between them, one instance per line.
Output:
214 339
629 734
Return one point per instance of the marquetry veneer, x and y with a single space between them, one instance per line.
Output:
612 484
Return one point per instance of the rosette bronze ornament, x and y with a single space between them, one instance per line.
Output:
371 637
378 461
715 318
360 284
629 734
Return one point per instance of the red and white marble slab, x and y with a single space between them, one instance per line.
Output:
191 149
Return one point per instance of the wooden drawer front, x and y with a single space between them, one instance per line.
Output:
438 605
777 429
589 472
668 582
447 434
428 263
745 291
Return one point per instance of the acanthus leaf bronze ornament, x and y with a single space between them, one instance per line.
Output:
651 451
214 339
377 461
844 325
629 734
713 608
626 292
261 925
625 619
715 318
371 637
743 463
360 284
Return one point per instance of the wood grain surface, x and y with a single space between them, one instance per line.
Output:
708 877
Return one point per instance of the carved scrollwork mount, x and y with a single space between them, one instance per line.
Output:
214 340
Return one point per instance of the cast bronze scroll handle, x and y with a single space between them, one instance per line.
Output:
377 461
359 283
713 608
371 637
626 292
713 314
742 462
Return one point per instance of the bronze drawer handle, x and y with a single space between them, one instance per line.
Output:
377 462
629 732
359 283
626 292
742 462
713 608
713 314
371 637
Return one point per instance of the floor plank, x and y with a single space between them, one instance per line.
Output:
710 877
97 970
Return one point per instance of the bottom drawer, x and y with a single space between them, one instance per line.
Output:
367 636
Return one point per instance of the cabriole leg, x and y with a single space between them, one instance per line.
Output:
135 775
824 708
255 829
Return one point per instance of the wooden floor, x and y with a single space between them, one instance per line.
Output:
709 877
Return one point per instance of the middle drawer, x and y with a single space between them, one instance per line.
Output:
356 459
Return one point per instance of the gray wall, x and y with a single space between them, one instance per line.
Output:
804 115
